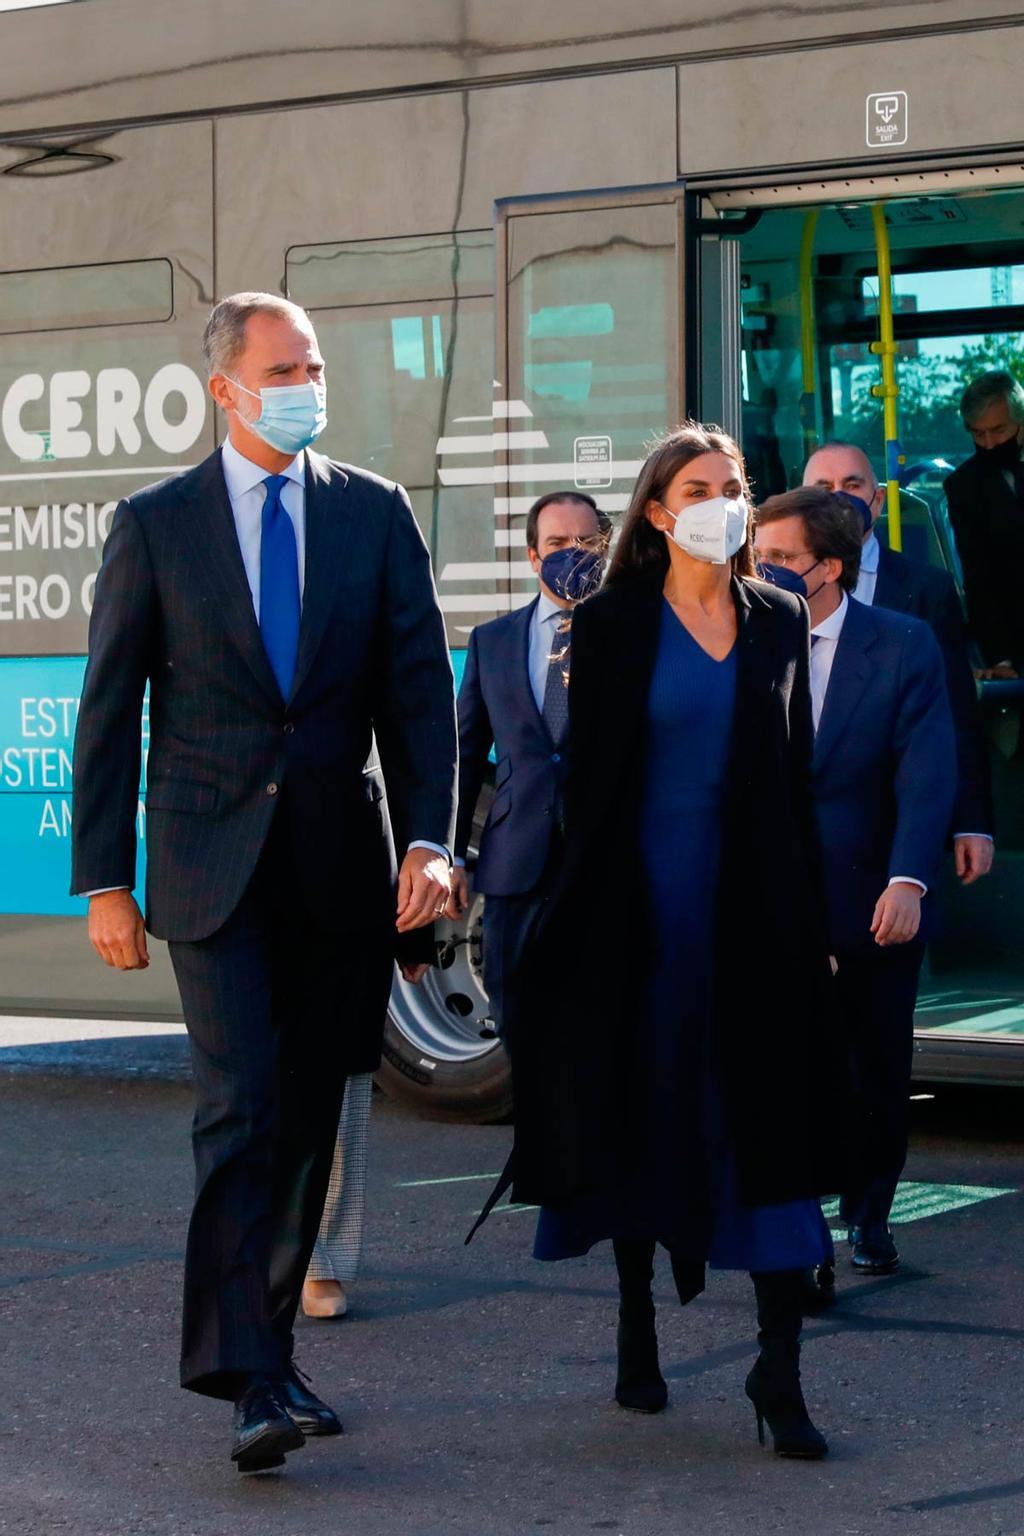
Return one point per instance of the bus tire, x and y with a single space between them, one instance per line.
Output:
441 1056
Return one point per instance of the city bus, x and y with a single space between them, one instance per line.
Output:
530 239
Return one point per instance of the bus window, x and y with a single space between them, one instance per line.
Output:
66 298
406 326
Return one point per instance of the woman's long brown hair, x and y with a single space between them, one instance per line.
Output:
642 548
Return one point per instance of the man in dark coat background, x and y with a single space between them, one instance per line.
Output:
986 507
281 608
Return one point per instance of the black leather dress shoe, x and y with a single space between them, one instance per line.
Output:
264 1430
304 1407
873 1251
819 1287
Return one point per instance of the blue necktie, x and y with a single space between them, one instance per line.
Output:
280 607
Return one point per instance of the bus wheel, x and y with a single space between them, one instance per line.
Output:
441 1055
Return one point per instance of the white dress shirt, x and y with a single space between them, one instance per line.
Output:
864 591
247 492
824 642
544 641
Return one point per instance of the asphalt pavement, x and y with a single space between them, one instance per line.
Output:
474 1383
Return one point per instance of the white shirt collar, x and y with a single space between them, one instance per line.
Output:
547 609
243 475
870 554
832 627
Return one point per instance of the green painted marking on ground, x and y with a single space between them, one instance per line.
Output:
918 1202
459 1178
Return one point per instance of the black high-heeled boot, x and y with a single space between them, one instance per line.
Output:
773 1384
640 1384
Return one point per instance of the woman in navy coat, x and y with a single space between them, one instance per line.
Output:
679 1078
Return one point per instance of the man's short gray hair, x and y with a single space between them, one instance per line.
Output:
986 389
224 336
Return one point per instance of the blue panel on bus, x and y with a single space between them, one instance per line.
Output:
38 710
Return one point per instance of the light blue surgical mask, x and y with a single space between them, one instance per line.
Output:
291 415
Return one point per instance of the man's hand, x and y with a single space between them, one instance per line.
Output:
897 914
424 885
413 974
459 899
973 856
117 932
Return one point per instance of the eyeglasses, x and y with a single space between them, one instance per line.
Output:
778 557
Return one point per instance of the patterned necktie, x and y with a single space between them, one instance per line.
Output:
555 712
280 606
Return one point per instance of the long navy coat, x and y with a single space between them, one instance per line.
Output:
780 1060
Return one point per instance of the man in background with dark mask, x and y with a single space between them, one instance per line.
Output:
514 696
986 507
888 579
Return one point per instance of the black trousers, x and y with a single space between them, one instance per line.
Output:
877 994
508 923
260 998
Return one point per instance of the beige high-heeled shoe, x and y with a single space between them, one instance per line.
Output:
324 1298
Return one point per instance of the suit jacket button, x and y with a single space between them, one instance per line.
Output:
556 757
289 727
271 789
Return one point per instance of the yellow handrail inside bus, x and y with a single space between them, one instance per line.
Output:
888 390
807 403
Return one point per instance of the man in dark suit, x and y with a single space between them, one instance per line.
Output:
889 579
884 782
281 609
986 507
514 697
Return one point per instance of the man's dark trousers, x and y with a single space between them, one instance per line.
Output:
876 995
260 998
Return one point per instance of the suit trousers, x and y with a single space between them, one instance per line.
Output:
508 923
877 994
260 1002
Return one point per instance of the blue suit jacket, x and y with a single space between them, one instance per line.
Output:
885 767
173 608
496 705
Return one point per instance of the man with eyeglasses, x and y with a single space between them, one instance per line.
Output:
884 778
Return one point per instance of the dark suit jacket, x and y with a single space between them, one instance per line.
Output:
911 586
496 705
173 608
781 1063
884 766
988 520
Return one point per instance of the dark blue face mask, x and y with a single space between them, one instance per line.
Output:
789 581
572 573
781 576
860 506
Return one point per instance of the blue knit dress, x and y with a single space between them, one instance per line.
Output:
677 1179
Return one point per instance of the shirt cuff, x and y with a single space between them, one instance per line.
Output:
459 863
986 835
434 848
103 889
909 880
